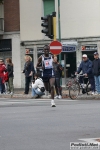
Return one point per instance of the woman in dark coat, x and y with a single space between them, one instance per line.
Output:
10 75
28 70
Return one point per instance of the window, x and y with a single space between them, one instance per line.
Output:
49 6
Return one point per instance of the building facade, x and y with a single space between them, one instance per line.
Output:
10 36
80 31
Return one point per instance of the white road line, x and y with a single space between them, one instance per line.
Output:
90 140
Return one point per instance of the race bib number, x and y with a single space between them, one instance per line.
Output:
48 64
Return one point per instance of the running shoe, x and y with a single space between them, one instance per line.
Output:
53 103
60 97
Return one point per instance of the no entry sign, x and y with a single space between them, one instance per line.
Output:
55 47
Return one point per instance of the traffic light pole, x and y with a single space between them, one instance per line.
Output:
59 27
59 30
54 26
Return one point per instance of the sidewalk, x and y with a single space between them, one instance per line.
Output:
18 93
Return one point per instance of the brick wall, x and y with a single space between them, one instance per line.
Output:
11 15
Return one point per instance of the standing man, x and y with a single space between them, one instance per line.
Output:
58 73
96 72
86 68
48 73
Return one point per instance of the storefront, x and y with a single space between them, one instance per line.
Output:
89 50
68 57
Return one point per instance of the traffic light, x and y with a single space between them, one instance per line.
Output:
48 26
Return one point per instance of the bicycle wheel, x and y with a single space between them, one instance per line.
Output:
88 88
74 90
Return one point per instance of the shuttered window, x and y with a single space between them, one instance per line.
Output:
49 6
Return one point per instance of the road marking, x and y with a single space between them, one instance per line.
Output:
90 140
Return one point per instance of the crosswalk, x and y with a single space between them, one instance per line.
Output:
14 102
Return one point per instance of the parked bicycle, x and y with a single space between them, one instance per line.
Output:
74 86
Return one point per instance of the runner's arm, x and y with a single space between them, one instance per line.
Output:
39 62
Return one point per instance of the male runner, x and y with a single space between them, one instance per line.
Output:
47 74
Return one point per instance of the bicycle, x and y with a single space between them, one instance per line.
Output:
75 86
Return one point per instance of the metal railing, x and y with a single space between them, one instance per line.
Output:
1 24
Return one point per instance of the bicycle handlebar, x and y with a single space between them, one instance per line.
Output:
81 75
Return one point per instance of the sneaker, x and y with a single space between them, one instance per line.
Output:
56 97
60 97
93 93
11 93
96 93
53 103
4 93
8 92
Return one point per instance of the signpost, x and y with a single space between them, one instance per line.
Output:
55 47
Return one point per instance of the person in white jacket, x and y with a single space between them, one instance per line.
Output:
37 87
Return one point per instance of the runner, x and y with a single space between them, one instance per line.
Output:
47 74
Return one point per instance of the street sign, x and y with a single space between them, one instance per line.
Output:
55 47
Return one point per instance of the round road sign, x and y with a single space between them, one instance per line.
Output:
55 47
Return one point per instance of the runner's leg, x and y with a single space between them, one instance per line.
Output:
52 83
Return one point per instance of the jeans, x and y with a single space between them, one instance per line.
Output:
10 84
97 83
0 84
3 88
27 83
58 87
36 92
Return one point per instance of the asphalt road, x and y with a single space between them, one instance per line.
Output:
34 125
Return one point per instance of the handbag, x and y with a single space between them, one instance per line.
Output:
42 89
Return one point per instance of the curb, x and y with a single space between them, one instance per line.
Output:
22 96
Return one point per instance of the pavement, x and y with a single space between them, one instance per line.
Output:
34 125
18 93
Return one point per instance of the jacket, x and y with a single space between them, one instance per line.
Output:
96 67
86 68
38 84
57 68
28 67
10 70
2 70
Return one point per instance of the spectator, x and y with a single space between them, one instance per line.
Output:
96 72
86 68
37 87
28 70
58 73
2 70
10 75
